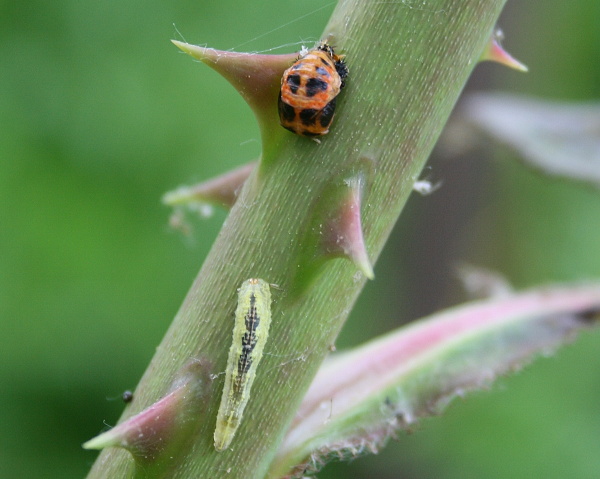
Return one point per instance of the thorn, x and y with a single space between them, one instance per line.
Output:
335 229
146 434
343 235
166 423
495 53
256 77
222 190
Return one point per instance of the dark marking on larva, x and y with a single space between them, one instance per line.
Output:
314 86
239 383
252 322
308 116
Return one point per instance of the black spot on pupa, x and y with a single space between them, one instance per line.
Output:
308 116
293 82
314 86
291 128
327 113
325 62
286 112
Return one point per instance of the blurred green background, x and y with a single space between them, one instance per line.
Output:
100 115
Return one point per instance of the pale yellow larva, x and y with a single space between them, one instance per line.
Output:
250 333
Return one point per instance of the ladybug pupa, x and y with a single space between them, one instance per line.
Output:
309 89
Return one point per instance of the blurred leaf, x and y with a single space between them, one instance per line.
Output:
360 398
482 283
561 139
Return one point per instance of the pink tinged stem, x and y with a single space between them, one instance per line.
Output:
361 397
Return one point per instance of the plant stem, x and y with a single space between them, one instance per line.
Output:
408 64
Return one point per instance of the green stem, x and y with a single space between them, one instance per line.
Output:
408 64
